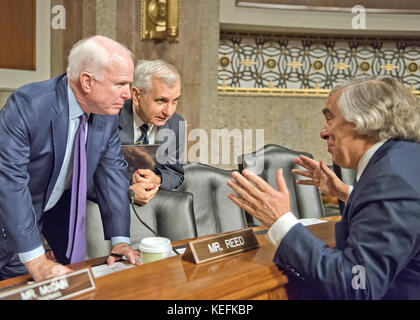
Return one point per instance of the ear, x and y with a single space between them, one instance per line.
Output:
86 81
135 92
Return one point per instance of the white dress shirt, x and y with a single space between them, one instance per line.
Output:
282 226
137 123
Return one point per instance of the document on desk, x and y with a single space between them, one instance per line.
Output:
310 221
104 269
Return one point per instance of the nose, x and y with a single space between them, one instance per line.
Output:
126 93
169 108
324 132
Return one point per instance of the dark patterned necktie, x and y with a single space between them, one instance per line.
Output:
144 138
76 248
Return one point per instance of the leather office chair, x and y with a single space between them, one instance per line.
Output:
213 211
305 201
169 213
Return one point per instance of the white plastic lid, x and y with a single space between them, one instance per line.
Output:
155 245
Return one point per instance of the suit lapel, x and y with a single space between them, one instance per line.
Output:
342 228
126 123
59 127
93 143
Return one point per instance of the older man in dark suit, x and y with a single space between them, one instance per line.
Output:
373 126
150 117
38 129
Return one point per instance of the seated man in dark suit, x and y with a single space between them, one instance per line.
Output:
149 117
373 126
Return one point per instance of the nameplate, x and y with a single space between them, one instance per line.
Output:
58 288
220 245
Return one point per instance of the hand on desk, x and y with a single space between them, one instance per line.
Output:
123 249
42 268
258 198
322 177
145 184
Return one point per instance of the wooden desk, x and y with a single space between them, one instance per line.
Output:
247 275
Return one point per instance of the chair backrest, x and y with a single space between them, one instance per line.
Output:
213 211
169 213
305 201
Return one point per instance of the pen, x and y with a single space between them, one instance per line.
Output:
116 255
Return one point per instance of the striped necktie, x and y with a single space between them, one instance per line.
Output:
144 138
76 248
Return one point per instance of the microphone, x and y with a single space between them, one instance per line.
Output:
131 198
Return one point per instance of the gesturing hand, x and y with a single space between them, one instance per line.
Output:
258 198
322 177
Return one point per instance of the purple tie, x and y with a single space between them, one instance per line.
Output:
76 248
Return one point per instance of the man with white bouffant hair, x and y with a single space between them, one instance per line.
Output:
372 126
56 138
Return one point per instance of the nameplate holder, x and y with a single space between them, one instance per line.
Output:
220 245
58 288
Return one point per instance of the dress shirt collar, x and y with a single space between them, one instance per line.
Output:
137 123
361 166
75 111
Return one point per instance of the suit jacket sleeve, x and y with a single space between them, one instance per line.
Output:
17 215
382 238
111 186
170 155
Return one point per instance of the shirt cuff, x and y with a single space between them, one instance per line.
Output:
115 240
281 227
32 254
350 190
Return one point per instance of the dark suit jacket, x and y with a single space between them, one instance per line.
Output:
33 136
171 136
379 234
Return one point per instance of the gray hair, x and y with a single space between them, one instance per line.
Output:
94 55
147 70
380 107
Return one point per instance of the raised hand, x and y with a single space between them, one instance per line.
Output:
258 198
322 177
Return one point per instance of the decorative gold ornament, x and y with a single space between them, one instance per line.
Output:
160 19
388 67
412 67
364 66
341 66
295 64
317 65
224 62
248 63
271 63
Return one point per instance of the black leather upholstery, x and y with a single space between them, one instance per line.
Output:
169 213
213 211
305 201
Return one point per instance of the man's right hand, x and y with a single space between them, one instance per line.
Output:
42 268
322 177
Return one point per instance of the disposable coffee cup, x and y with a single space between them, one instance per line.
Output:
155 248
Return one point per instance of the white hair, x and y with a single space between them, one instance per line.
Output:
380 107
147 70
93 55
